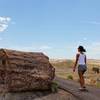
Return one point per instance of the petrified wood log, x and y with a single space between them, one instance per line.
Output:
21 71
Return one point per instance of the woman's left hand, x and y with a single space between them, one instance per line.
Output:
74 69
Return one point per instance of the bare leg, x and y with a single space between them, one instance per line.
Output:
82 82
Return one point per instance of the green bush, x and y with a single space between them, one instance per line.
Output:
98 84
70 77
54 87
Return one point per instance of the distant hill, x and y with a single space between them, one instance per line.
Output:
62 62
94 61
69 62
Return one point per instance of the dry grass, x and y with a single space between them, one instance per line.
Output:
64 69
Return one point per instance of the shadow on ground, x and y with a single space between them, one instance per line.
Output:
38 95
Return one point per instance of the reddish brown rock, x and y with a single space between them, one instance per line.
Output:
21 71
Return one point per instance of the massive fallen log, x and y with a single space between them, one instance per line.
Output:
21 71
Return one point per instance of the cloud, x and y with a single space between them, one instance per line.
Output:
93 50
96 43
45 47
4 21
3 27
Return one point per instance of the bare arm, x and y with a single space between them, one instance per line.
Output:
76 61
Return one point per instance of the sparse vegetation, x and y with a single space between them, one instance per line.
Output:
98 84
95 69
63 69
70 77
54 87
64 63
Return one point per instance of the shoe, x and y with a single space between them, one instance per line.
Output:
81 88
84 87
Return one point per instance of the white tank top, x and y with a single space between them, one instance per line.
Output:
81 59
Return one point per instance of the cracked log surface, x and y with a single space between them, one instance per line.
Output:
21 71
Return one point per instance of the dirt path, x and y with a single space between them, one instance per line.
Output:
72 87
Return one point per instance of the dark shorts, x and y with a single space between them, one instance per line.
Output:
82 68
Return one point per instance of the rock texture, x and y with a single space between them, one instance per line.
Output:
92 93
38 95
21 71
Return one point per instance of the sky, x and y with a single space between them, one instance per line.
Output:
54 27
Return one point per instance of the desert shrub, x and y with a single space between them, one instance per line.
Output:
70 77
54 87
96 70
93 81
98 84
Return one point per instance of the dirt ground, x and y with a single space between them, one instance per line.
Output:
90 77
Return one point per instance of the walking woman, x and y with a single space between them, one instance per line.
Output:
82 66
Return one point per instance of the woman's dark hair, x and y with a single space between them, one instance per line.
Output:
81 48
